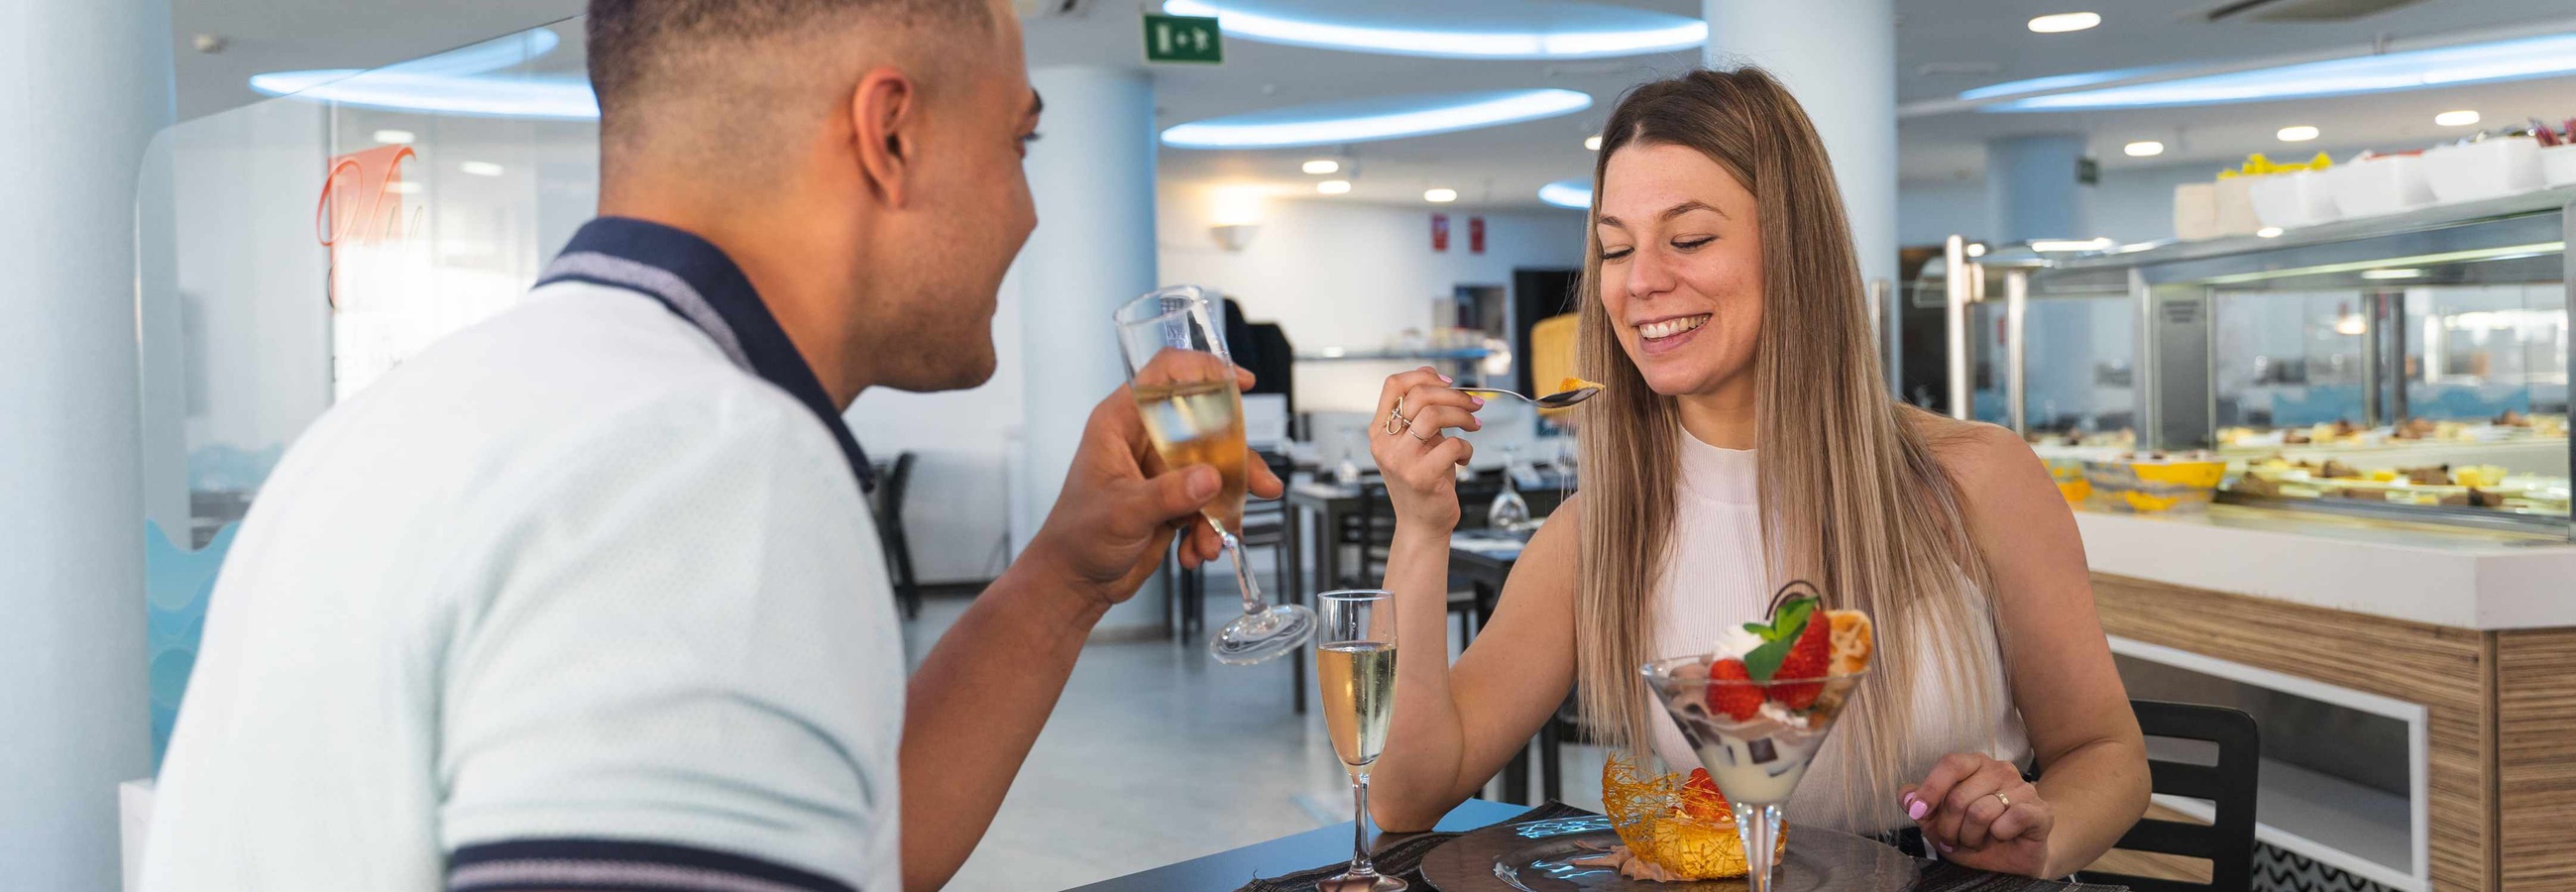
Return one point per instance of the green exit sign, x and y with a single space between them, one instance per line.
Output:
1182 38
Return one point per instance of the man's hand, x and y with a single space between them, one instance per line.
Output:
1120 507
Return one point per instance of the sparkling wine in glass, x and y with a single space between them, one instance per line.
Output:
1193 411
1355 669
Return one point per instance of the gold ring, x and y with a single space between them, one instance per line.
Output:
1416 434
2000 797
1395 420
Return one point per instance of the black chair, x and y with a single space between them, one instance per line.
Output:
2227 842
886 504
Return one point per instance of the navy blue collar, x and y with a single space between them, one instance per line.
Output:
697 282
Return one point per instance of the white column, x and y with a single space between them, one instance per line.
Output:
1093 178
91 84
1839 58
2031 190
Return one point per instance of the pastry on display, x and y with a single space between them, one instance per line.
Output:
2463 486
2155 481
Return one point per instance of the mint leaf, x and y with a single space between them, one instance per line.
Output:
1791 621
1778 638
1765 660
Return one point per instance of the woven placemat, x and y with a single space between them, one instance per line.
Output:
1401 858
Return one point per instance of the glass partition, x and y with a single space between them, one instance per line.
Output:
290 251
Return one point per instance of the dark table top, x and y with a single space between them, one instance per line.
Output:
1287 854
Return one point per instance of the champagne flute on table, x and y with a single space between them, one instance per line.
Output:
1355 669
1193 411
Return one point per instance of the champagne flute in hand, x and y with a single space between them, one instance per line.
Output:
1185 389
1355 669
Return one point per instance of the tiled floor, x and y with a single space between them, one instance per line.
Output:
1158 754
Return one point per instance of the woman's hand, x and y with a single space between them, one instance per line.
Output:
1978 811
1416 459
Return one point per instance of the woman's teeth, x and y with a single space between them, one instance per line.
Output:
1659 330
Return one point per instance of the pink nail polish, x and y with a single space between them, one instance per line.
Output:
1915 808
1945 847
1444 379
1478 400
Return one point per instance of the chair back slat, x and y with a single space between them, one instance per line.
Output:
2187 780
2143 884
2170 838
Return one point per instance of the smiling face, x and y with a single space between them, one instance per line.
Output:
1681 268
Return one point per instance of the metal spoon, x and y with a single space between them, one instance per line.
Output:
1551 401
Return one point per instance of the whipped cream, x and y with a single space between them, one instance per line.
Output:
1735 642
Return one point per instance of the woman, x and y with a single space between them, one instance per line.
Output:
1745 440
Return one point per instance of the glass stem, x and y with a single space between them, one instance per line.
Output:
1252 602
1758 826
1360 865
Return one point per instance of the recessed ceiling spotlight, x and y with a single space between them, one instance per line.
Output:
1322 166
2268 232
1386 117
1576 194
2461 118
1333 187
1440 196
1592 142
2297 133
2145 148
1976 249
480 168
2060 23
2443 66
1534 31
396 137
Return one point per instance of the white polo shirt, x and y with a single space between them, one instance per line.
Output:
586 596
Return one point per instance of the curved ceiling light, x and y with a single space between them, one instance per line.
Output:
1389 117
456 82
1517 29
2501 60
1576 194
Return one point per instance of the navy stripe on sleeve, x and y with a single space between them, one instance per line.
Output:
600 865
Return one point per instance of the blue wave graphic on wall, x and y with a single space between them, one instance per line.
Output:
177 583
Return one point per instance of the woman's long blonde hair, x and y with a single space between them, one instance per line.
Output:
1851 496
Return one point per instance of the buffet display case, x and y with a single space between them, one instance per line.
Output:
2408 368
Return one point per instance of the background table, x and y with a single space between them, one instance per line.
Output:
1288 854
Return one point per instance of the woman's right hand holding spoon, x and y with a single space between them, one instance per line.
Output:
1414 454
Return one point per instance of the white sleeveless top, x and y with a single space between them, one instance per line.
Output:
1717 581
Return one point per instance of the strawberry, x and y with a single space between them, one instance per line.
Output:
1811 657
1701 800
1739 701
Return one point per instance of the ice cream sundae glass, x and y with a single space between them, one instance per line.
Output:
1759 708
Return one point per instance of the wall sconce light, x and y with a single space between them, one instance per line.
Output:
1234 236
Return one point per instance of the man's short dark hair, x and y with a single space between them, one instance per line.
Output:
635 45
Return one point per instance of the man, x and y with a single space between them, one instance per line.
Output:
586 597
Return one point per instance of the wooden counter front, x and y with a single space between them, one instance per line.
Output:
2500 712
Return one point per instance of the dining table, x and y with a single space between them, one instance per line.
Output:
1479 846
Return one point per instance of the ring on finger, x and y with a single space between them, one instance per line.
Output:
1395 420
1416 434
2000 797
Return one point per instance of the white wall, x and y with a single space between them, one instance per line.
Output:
2131 205
1337 274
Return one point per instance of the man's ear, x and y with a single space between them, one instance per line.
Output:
885 124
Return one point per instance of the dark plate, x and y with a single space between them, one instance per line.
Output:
1530 857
